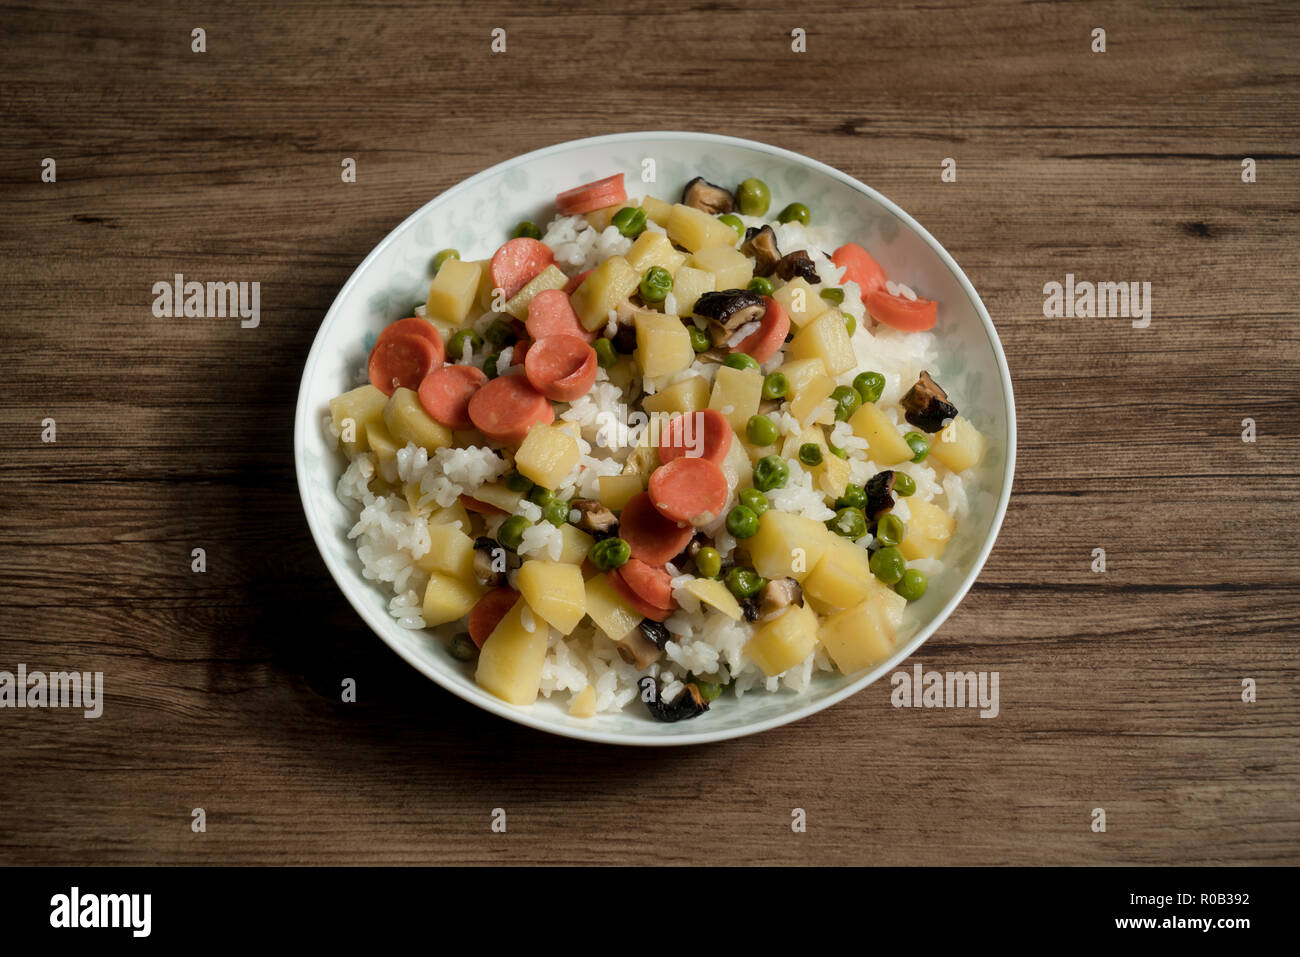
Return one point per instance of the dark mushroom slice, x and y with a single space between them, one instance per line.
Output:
699 193
624 337
689 704
926 405
594 518
797 263
728 310
760 243
880 494
778 595
644 645
490 562
749 608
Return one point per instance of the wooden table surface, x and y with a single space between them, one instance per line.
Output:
1120 691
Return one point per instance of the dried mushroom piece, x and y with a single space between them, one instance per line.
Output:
643 646
699 193
594 518
926 405
880 494
689 704
728 310
797 264
778 595
760 243
490 561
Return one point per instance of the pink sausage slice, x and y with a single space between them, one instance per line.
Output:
561 367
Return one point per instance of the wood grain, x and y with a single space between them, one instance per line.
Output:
1119 691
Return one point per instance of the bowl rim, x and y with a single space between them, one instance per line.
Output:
351 584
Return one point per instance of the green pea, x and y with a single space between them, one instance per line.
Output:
442 257
630 221
518 482
742 522
708 689
770 472
912 585
744 582
904 484
753 197
795 213
540 495
890 529
740 360
754 500
605 354
761 285
919 444
609 553
732 220
500 333
700 340
527 229
760 430
888 565
775 385
511 532
708 562
833 294
810 454
462 648
836 451
846 402
656 284
850 324
849 522
855 496
456 345
490 367
557 512
869 385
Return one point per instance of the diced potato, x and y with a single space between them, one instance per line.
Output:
959 445
842 578
408 422
656 210
833 474
583 704
447 598
928 531
785 641
608 610
411 492
810 402
800 301
858 637
689 395
600 218
811 433
555 590
689 284
663 345
642 460
737 467
622 372
732 267
498 494
454 514
453 290
825 338
736 394
510 662
383 444
695 229
609 284
576 544
712 592
352 412
547 455
549 278
617 490
451 552
787 545
654 249
800 372
483 297
885 444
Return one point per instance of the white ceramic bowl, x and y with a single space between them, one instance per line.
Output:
475 216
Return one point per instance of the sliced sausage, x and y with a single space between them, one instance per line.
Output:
635 601
859 267
704 434
689 490
488 612
505 408
401 361
417 327
517 262
651 537
589 196
550 313
445 394
772 330
651 582
561 367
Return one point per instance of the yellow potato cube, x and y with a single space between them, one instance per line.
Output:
510 662
408 422
498 494
656 210
483 297
382 443
608 611
716 595
609 284
788 545
801 372
549 278
642 460
785 641
928 530
959 445
810 403
451 552
555 590
825 338
600 218
689 284
842 577
447 598
454 514
583 704
654 249
453 290
737 467
695 229
352 412
885 444
547 455
732 268
689 395
858 637
576 544
833 474
736 394
800 301
617 490
663 345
